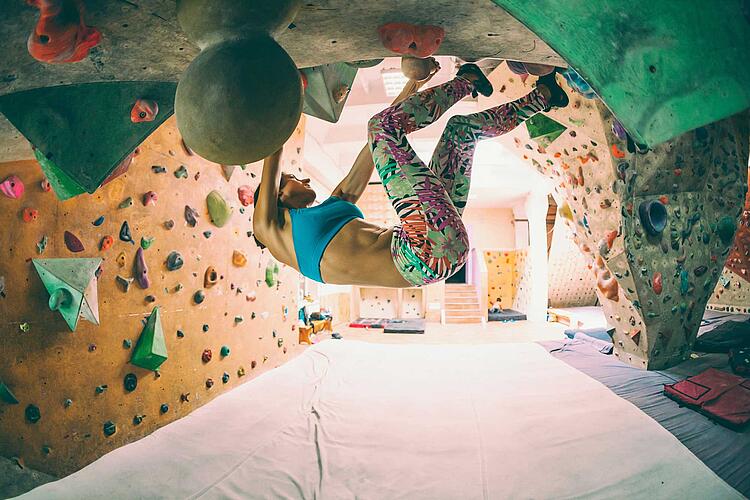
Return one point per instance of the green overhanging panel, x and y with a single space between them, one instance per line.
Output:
323 82
84 130
663 67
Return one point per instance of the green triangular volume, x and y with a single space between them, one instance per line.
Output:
84 131
75 280
151 350
322 82
544 129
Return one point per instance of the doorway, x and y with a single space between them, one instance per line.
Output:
459 276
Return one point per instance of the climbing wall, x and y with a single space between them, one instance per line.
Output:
522 274
224 295
501 277
378 302
571 282
732 293
376 207
653 287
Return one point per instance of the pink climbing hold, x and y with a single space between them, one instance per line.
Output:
72 242
140 270
46 186
245 194
411 40
144 110
150 198
12 187
610 238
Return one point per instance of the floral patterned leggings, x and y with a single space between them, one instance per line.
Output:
431 242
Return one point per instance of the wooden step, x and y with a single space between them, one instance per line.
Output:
461 300
462 294
450 306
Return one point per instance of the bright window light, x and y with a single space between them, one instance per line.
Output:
394 81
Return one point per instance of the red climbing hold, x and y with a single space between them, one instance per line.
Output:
664 199
150 198
245 194
657 283
72 242
30 214
616 152
610 238
408 39
144 110
206 356
60 35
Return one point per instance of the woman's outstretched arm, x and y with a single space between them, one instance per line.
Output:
355 183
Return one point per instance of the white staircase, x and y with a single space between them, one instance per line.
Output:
462 304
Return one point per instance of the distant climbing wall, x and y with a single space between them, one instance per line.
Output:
571 282
654 273
501 277
732 293
72 387
376 207
523 274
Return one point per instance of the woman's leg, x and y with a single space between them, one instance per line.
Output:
454 154
431 241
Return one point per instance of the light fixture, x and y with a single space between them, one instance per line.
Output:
394 81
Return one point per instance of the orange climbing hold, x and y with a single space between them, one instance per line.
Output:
106 243
664 199
60 34
610 238
616 152
411 40
605 282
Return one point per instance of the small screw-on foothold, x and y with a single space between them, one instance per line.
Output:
209 383
138 419
185 397
206 355
205 328
100 388
164 408
99 221
67 403
33 414
225 377
199 297
130 382
109 428
127 343
180 334
225 351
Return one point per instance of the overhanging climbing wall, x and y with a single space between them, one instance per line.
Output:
653 287
663 67
77 380
571 282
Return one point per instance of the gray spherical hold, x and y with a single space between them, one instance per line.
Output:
207 22
239 101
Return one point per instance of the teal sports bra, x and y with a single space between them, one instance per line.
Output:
313 229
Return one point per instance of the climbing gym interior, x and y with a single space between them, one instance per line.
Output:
158 340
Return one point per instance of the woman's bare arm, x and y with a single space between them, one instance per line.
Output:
354 184
267 205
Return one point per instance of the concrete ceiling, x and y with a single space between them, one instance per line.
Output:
499 178
143 41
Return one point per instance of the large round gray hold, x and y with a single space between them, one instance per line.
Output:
207 22
239 101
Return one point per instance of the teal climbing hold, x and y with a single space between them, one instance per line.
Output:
151 350
218 209
72 285
726 228
684 283
224 351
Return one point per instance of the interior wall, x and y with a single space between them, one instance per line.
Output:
490 227
45 364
